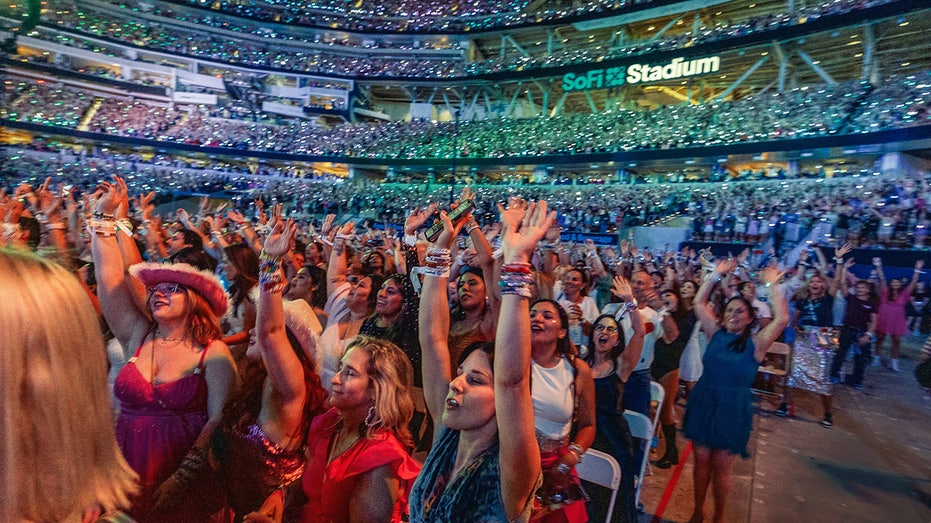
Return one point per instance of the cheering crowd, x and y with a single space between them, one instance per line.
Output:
327 371
282 50
805 112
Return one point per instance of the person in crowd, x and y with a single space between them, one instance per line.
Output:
241 269
173 388
563 407
579 306
892 322
612 434
665 370
485 463
814 305
858 329
359 466
690 368
350 300
719 414
308 285
261 440
395 318
59 459
636 368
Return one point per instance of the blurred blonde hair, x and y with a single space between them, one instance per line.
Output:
392 378
58 452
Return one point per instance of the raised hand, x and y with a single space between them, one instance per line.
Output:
770 275
327 225
112 196
621 289
281 238
145 204
417 218
523 225
725 266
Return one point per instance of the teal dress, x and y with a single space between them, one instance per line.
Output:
719 414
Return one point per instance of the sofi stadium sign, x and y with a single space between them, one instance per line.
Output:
639 73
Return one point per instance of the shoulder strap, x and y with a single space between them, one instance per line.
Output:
203 355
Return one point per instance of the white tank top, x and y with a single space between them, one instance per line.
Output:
553 398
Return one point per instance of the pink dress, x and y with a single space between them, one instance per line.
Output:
157 426
892 320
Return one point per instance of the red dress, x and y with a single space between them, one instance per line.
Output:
891 318
336 482
157 426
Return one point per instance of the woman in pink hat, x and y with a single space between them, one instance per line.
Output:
173 388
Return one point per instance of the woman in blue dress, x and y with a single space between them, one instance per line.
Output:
719 414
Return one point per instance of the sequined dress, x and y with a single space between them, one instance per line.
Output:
255 467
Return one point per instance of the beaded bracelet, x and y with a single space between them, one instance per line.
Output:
516 283
271 277
437 262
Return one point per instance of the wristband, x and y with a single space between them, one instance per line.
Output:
578 450
410 240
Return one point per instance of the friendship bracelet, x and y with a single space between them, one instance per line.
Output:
516 283
102 227
521 268
123 224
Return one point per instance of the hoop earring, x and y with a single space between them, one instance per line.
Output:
372 419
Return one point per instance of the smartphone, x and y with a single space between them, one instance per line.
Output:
455 214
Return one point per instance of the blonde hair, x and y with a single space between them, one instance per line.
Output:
58 452
392 377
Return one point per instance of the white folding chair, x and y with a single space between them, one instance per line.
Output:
642 428
657 394
601 469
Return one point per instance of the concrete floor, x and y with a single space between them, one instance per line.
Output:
874 465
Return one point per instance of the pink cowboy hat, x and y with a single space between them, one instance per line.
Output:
202 282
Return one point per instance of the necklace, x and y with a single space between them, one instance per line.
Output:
155 340
335 446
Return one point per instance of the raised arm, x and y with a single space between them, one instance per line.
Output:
434 322
703 310
519 455
285 411
124 317
919 264
767 335
632 352
337 270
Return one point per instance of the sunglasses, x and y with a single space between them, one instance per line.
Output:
166 289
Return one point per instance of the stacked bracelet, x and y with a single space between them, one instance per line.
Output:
516 278
102 227
437 262
271 277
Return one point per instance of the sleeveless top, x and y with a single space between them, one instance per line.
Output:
157 426
553 402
